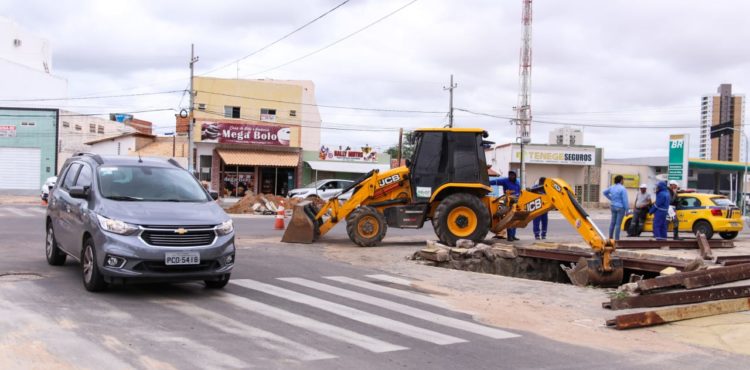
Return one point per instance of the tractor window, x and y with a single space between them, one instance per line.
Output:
465 164
430 149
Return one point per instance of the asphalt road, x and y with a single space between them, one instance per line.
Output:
283 310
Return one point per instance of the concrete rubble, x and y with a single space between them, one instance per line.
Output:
266 204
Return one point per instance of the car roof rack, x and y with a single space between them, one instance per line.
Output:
94 156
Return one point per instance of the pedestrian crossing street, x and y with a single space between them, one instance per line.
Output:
281 316
22 211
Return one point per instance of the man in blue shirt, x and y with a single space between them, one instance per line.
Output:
618 198
509 183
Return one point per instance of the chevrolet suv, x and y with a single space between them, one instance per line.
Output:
127 219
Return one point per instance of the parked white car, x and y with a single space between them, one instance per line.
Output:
323 189
48 185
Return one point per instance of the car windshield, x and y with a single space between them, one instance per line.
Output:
151 184
722 202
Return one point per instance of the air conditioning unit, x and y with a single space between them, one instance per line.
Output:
16 42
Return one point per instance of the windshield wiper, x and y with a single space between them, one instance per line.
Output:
124 197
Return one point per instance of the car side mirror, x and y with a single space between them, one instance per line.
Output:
214 195
79 192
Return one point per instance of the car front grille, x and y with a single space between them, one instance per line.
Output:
159 266
178 237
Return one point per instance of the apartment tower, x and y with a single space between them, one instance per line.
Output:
722 120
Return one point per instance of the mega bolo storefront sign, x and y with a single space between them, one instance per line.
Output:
240 133
565 156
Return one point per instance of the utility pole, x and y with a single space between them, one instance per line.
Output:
450 102
400 145
191 119
523 109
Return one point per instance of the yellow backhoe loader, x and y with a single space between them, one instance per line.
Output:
446 182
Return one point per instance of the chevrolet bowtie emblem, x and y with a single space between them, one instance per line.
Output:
181 231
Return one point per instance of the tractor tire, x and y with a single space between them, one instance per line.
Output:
366 226
461 216
729 235
705 228
629 229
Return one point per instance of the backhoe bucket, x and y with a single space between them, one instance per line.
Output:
589 272
302 227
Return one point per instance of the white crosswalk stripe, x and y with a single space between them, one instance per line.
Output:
321 328
351 313
405 310
390 279
21 212
396 292
258 337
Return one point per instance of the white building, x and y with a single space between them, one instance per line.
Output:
77 129
566 136
723 112
26 67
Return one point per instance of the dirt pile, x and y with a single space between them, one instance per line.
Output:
265 204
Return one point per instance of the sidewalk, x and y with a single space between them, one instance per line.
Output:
20 199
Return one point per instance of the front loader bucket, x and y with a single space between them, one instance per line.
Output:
589 272
302 227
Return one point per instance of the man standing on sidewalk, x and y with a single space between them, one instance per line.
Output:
618 198
674 201
640 210
540 222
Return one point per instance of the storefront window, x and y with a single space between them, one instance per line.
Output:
205 167
237 181
276 180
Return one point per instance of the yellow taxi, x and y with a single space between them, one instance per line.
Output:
698 212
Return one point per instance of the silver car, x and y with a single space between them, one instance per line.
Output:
127 219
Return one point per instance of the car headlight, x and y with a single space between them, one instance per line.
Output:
116 226
225 228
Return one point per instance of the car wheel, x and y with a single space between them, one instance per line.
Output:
217 284
704 228
55 256
729 235
93 280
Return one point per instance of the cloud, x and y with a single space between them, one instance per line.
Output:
642 61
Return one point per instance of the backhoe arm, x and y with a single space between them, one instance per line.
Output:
557 194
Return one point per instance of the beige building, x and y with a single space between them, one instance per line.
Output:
722 122
250 134
77 129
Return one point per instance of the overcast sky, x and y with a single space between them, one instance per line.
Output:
640 62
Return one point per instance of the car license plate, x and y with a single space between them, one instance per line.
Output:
184 258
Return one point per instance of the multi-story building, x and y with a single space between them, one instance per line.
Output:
722 121
77 129
250 134
566 136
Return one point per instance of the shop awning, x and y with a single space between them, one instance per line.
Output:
350 167
259 158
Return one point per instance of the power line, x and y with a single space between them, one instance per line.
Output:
95 97
41 115
278 40
321 105
577 123
339 126
335 42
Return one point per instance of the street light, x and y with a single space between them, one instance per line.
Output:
744 176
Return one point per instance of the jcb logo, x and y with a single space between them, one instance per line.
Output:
533 206
389 180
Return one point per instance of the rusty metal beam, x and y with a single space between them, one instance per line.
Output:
679 298
639 264
658 317
679 279
704 247
718 276
733 260
671 244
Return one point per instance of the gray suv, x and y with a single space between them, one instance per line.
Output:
127 219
